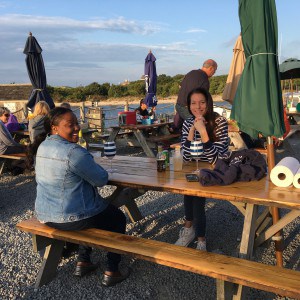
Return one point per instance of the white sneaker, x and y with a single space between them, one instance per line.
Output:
201 245
186 236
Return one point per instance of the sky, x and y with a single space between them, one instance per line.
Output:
107 41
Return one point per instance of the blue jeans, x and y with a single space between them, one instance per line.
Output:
194 208
111 219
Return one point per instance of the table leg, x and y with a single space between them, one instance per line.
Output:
292 215
247 241
113 134
142 141
126 197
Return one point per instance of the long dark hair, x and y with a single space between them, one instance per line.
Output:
210 116
52 118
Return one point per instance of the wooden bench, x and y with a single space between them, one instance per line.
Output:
223 268
5 157
162 138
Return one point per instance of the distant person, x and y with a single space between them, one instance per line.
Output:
36 123
67 197
7 144
212 129
143 109
66 105
193 79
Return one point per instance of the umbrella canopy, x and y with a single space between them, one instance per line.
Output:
258 106
37 74
290 69
150 80
235 71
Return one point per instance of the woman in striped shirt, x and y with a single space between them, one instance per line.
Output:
212 129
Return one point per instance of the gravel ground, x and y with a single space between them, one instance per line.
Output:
163 219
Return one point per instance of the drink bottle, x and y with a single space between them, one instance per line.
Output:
81 141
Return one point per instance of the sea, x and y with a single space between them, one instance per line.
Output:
111 111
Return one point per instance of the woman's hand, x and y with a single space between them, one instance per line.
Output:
200 125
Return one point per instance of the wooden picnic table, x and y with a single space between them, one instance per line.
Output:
23 133
140 173
139 131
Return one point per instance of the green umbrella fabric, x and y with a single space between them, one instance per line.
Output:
257 105
290 69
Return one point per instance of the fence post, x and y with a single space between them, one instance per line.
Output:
82 108
25 110
126 107
102 120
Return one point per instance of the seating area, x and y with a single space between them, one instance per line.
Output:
224 269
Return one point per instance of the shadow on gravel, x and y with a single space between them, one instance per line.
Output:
17 195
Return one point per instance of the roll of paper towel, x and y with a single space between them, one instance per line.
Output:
296 181
283 173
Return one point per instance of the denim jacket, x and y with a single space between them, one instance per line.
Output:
67 179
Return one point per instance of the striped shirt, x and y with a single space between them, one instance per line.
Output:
212 150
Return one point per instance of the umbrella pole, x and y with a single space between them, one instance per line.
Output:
278 237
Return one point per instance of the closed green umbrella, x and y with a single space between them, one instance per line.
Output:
257 105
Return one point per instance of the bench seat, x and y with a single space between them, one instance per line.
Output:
225 268
16 156
161 138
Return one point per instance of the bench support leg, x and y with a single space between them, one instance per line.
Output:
50 262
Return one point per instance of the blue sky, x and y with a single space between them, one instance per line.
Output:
107 41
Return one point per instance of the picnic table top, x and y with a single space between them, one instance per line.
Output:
141 172
142 126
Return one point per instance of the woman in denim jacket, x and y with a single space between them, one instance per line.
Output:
67 199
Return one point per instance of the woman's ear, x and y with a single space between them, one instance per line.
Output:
54 129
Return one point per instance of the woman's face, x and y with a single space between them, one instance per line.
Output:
4 118
67 127
198 105
144 106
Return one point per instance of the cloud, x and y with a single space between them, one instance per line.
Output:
67 25
80 52
195 30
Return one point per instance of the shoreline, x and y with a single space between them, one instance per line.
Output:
136 101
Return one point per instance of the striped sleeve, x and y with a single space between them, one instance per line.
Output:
185 144
212 150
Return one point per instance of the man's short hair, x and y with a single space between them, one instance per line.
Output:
209 63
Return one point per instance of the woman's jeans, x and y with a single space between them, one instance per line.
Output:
194 208
111 219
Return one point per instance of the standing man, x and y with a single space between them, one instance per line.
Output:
192 80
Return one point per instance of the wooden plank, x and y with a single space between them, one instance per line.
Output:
161 138
17 156
50 262
277 227
141 139
236 270
248 234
